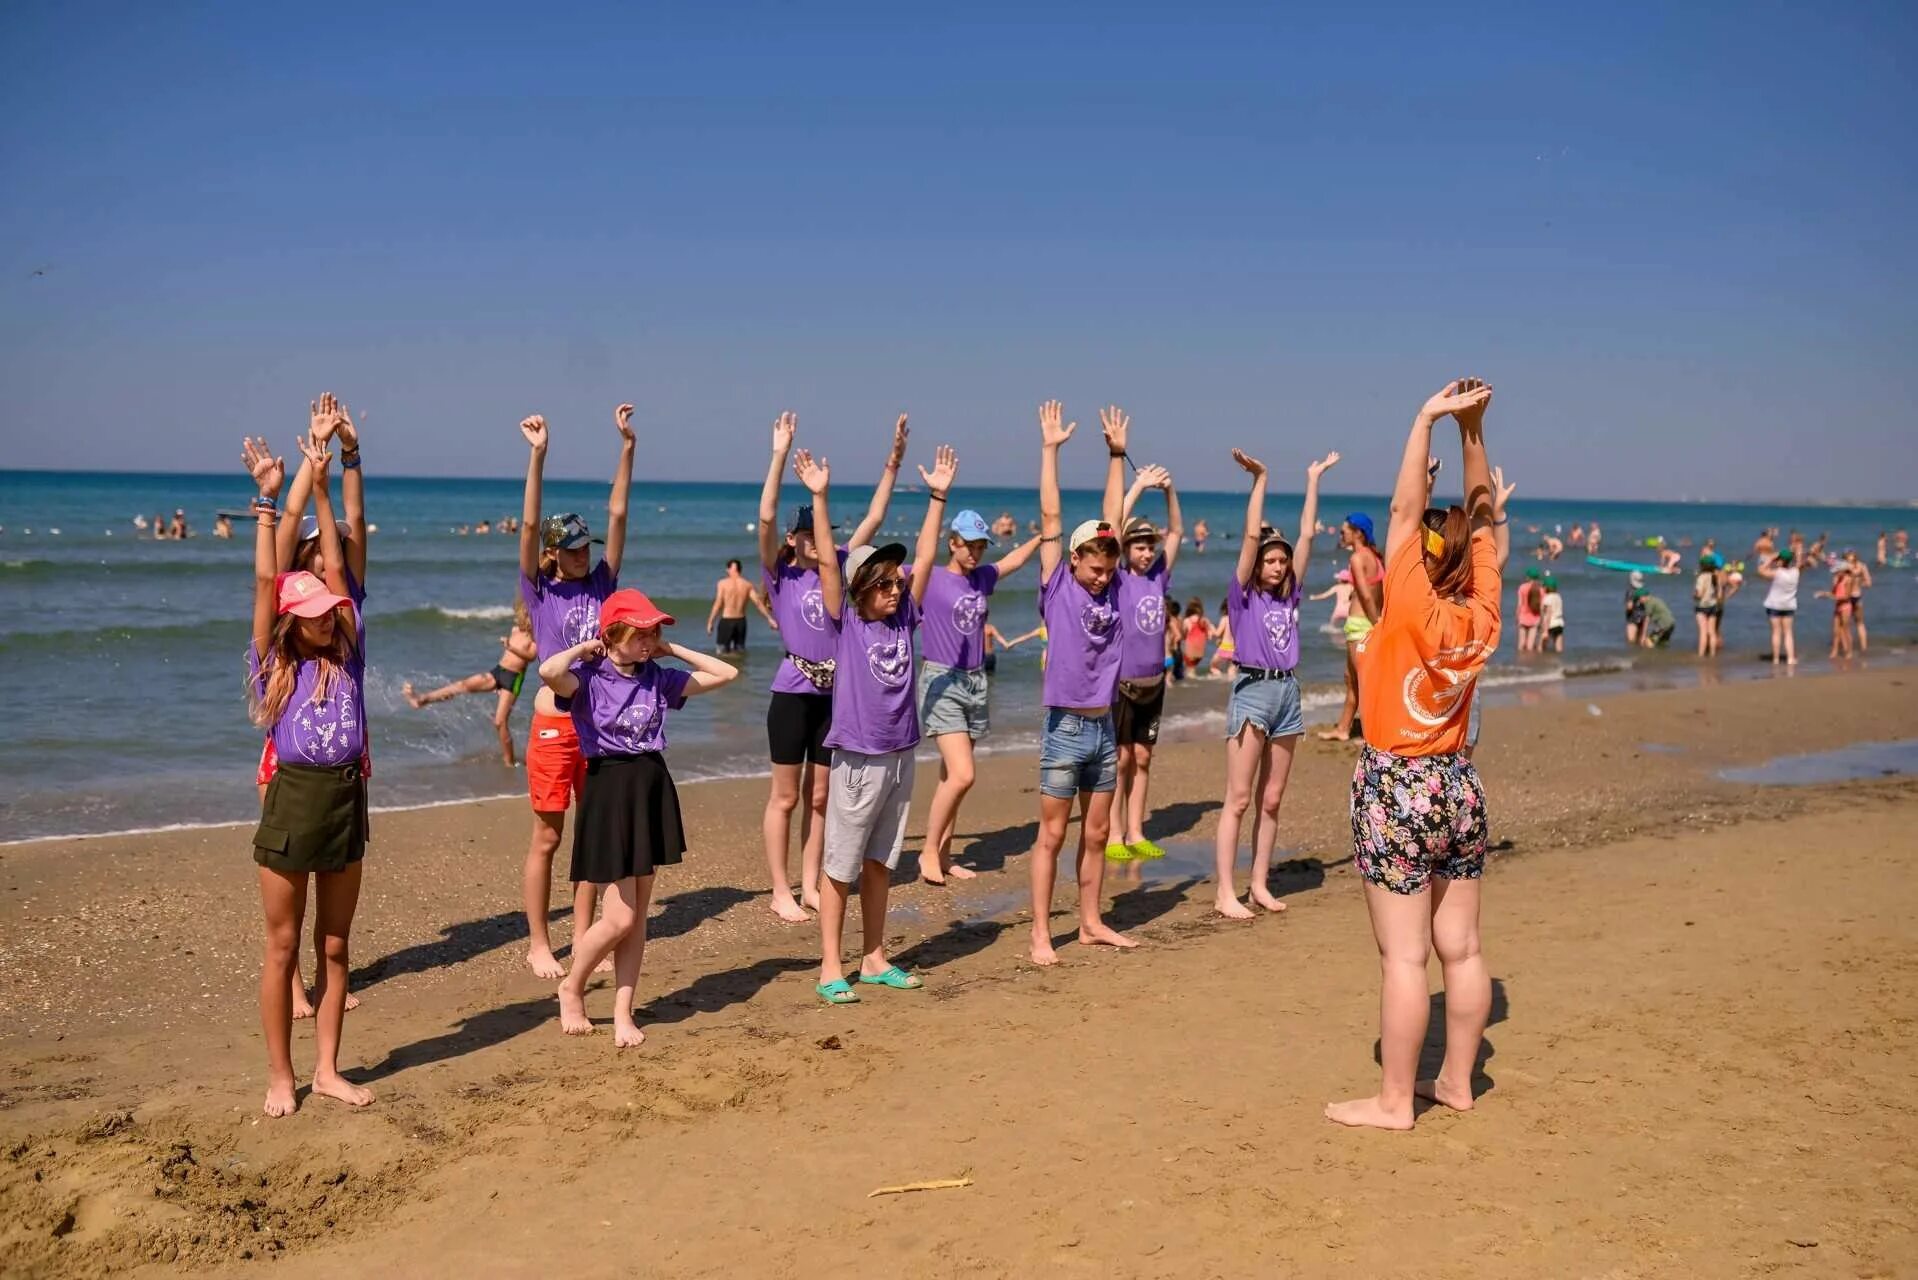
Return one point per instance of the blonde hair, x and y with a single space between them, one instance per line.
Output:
522 618
618 633
267 698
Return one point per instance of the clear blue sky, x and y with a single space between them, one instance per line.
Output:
1678 238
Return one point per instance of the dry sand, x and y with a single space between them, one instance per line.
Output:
1699 1064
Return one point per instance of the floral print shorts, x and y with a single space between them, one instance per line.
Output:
1415 817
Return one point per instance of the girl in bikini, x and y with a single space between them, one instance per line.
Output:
506 677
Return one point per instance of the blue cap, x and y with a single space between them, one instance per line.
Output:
1363 523
971 526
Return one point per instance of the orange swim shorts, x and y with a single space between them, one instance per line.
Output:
555 770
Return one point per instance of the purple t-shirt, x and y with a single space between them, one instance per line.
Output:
953 615
566 610
873 707
329 732
618 715
1265 627
1142 617
804 628
1082 640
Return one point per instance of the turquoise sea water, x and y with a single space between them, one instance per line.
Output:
123 655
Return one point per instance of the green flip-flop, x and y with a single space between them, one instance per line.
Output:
1116 852
837 992
1145 849
895 977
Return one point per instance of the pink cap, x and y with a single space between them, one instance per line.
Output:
1343 575
305 596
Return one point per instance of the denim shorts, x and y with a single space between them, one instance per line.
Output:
1471 723
1270 706
952 700
1078 753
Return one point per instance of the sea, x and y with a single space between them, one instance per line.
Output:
123 656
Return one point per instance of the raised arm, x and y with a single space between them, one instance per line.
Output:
534 429
557 671
1254 518
1116 425
320 425
330 550
269 473
352 490
1408 494
1174 524
709 673
1501 520
816 475
938 482
1479 498
1051 529
784 427
882 492
616 505
1309 515
1151 476
1015 559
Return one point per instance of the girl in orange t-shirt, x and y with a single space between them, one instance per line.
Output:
1418 810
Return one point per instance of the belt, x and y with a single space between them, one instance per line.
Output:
1264 673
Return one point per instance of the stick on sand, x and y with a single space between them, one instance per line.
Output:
935 1184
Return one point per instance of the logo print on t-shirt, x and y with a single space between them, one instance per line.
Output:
582 621
320 728
638 721
966 612
1097 619
1149 615
891 660
1278 628
812 607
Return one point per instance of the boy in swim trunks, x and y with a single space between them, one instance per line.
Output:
506 677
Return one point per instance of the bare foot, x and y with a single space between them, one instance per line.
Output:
281 1099
413 699
789 911
572 1014
1267 901
338 1086
1099 935
810 900
540 960
352 1002
1231 909
1368 1113
932 877
626 1035
1041 951
302 1004
958 872
605 965
1445 1095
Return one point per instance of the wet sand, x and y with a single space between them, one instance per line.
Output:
1699 1058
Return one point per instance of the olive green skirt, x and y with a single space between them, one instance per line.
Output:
313 819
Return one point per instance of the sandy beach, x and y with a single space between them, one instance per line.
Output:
1699 1060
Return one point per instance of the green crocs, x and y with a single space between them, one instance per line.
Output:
837 992
1145 849
896 978
1116 852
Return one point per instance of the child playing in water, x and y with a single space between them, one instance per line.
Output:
305 678
1198 631
1552 615
617 695
1223 653
507 675
1340 594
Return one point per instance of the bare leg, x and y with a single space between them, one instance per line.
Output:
335 895
585 898
781 800
1349 712
503 726
283 901
1791 641
1402 926
1468 990
1137 792
536 892
1053 813
478 683
1095 826
319 978
1777 638
955 780
302 1006
1275 766
626 961
875 883
1858 616
1127 769
832 929
812 832
1242 753
617 916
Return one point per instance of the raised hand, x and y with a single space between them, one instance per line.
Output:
1323 465
813 474
623 419
589 649
1458 396
323 417
1500 490
1114 422
1153 476
534 429
945 465
1472 416
348 433
1249 462
316 453
1051 434
267 471
899 434
785 427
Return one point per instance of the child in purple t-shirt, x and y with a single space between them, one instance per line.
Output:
1263 715
1078 605
618 697
306 692
1145 579
875 726
952 673
800 710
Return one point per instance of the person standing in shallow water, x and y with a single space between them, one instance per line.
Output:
1368 579
1418 809
726 623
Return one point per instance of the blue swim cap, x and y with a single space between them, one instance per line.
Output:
1363 523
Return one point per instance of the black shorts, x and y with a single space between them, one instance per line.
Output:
505 681
796 726
731 633
628 821
1137 721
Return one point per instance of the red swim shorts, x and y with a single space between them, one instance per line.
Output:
270 762
555 770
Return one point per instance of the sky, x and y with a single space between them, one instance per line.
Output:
1677 238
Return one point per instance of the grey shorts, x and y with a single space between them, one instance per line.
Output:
1270 706
866 808
952 700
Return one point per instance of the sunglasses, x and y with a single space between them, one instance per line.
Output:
891 582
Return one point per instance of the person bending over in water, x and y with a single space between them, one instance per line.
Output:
1418 808
507 676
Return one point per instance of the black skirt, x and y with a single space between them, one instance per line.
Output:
628 820
313 819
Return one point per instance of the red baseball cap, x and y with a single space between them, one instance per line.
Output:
302 594
631 606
